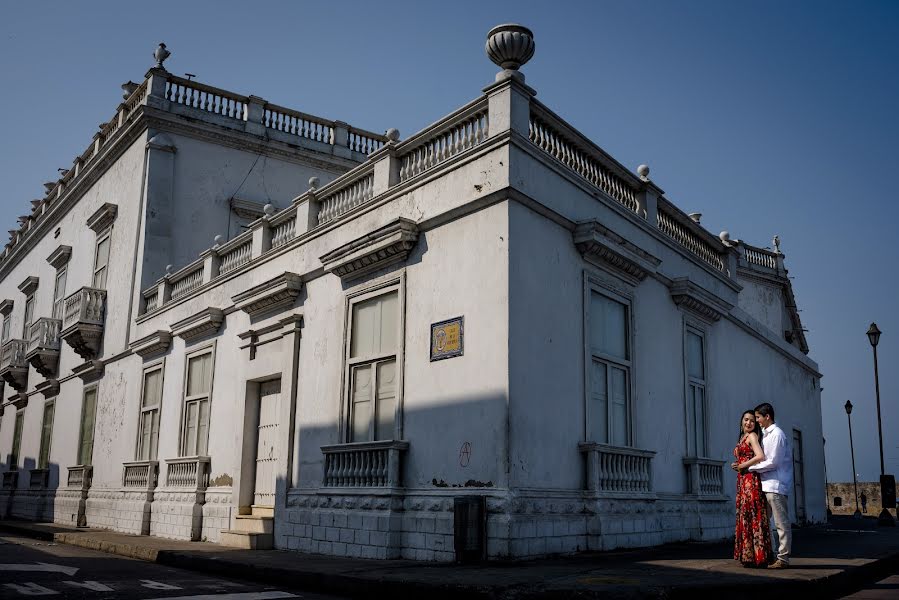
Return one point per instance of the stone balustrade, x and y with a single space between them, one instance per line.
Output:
190 472
680 228
82 323
44 345
236 256
760 257
186 280
364 464
14 364
617 469
705 477
140 475
38 479
335 202
80 477
10 480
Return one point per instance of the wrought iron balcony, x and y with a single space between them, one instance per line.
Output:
83 321
13 365
43 347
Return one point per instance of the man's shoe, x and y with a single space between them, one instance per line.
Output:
779 564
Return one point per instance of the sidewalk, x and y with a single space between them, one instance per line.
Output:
829 561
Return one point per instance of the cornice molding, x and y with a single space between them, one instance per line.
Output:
29 285
274 294
154 343
89 371
247 209
200 324
103 217
380 248
6 307
698 301
606 249
60 256
48 387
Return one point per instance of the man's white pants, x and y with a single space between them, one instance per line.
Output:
777 508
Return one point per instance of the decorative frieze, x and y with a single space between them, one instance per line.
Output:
155 343
203 323
277 293
698 301
101 220
383 247
606 249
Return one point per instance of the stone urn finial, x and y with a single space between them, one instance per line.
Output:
128 88
313 184
696 217
393 134
218 240
643 172
269 210
160 55
510 46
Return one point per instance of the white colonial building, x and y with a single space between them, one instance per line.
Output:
236 322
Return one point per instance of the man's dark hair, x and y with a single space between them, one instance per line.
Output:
765 409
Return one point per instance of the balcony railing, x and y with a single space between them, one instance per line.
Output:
705 477
191 472
13 364
38 479
10 480
82 325
80 477
690 238
140 475
44 344
364 464
616 469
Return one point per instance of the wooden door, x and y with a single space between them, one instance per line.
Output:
267 443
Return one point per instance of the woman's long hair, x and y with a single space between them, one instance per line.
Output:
756 428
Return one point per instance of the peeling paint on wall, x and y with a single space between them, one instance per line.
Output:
223 480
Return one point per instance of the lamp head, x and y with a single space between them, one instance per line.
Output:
873 335
848 407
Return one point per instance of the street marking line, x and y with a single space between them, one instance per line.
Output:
90 585
155 585
240 596
31 589
46 567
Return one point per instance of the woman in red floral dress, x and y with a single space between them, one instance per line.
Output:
752 540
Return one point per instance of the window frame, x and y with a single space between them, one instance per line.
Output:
105 235
690 382
59 291
367 291
209 348
95 389
43 457
17 432
27 319
158 365
594 283
5 331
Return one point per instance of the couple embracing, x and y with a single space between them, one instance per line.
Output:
764 466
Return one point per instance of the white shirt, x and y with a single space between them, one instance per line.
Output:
776 471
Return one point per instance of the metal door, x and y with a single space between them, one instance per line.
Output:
798 477
267 443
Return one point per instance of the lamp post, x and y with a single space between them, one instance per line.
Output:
848 406
887 482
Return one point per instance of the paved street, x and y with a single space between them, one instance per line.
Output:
30 568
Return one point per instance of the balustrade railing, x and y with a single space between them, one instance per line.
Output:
10 480
45 334
284 231
236 257
206 98
151 299
140 474
38 479
617 469
299 124
458 132
572 150
760 257
689 239
187 280
187 472
84 306
364 464
12 355
705 477
366 142
355 192
80 476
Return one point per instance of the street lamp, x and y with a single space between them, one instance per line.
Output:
887 482
848 406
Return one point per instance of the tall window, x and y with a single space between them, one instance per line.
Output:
59 293
607 409
16 441
5 334
694 348
29 315
101 260
151 399
43 461
196 404
86 438
372 367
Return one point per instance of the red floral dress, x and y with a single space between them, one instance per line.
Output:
752 541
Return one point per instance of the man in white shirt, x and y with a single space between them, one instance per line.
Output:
776 473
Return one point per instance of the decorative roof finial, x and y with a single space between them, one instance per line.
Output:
313 183
777 245
393 134
510 46
643 172
695 217
160 55
269 210
217 240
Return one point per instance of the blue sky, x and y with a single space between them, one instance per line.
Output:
768 117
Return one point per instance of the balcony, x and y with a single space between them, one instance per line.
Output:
191 473
614 471
83 321
140 476
43 347
705 477
13 365
80 477
38 479
10 479
364 464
